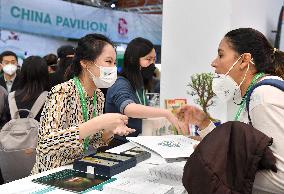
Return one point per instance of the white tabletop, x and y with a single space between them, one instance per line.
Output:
141 170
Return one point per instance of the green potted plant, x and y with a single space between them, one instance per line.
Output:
201 89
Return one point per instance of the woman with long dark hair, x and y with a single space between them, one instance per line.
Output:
127 95
33 80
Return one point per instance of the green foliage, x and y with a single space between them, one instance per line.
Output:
201 86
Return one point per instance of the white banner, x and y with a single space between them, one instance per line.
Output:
65 19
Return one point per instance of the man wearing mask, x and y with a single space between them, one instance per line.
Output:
9 62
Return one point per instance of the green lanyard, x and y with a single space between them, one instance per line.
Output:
242 105
84 108
143 97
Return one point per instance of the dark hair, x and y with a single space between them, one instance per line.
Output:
64 68
64 62
137 48
65 50
33 79
89 48
7 53
266 59
51 59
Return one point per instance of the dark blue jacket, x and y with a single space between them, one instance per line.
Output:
119 95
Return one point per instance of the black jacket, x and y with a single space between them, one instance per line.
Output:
227 159
15 83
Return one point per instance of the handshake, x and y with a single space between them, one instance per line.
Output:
187 115
181 119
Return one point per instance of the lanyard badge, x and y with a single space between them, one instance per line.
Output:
242 105
85 109
143 97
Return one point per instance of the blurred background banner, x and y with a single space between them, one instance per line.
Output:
68 20
20 43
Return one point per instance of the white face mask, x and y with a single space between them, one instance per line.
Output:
10 69
225 87
108 76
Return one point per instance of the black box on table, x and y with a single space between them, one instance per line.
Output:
105 163
139 154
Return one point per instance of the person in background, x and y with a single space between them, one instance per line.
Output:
245 57
51 61
33 80
72 124
65 56
127 95
9 79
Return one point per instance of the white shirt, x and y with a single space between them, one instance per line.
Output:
267 115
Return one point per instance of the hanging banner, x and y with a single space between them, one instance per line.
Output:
65 19
20 43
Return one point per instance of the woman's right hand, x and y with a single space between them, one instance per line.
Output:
181 127
113 120
193 115
111 123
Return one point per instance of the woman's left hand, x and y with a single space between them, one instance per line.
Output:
123 130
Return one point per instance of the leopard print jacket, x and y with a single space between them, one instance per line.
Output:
58 138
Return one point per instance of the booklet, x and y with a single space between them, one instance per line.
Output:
147 178
132 186
74 181
169 171
167 146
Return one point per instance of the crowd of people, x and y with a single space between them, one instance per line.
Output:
78 118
